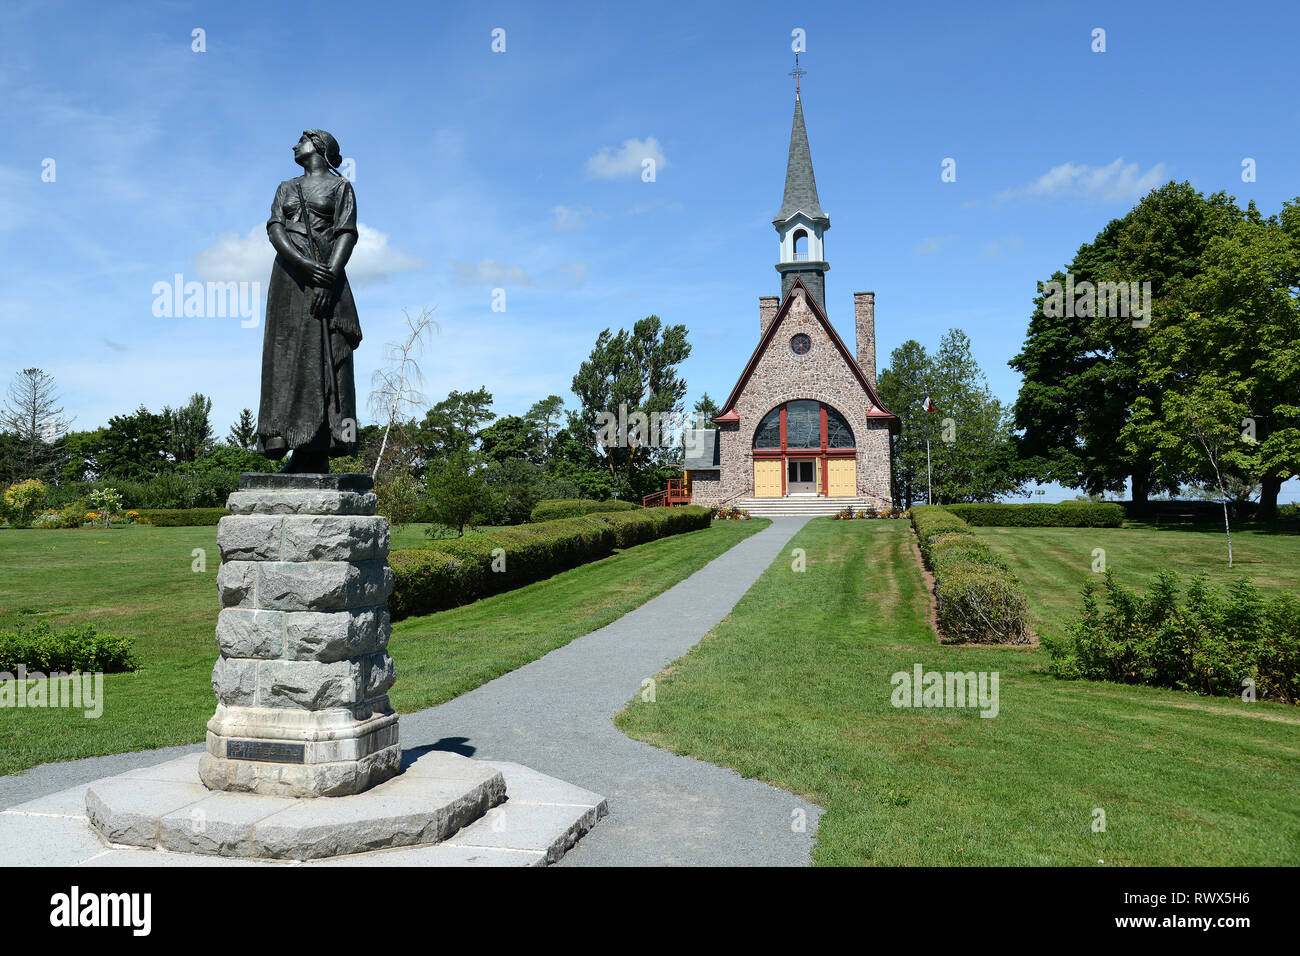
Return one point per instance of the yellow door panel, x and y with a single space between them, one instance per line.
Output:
843 478
767 478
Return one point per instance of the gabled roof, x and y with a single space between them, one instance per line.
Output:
878 410
800 184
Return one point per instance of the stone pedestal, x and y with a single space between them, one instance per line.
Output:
302 682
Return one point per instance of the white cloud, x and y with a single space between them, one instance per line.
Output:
932 244
248 258
568 218
491 272
615 161
1118 180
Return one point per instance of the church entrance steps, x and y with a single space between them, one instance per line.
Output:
801 507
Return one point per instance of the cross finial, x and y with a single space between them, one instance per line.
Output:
796 73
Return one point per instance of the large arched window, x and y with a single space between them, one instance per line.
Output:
803 427
769 430
838 432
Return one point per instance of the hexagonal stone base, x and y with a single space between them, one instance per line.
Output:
434 797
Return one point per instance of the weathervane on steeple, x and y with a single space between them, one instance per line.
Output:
796 73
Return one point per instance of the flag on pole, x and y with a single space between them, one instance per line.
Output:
929 405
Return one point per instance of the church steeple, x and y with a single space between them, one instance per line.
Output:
801 223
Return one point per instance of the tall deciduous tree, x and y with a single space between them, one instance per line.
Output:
1082 370
972 450
135 446
902 387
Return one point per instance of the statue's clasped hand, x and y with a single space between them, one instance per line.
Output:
322 300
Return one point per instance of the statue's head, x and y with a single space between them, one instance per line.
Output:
320 142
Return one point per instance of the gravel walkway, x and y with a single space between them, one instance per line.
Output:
555 716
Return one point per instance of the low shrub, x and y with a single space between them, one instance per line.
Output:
576 507
460 570
181 517
978 598
928 521
1066 514
1204 642
646 524
78 648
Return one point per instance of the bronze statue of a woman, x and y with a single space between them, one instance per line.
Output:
309 400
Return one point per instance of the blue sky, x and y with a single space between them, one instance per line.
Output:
520 170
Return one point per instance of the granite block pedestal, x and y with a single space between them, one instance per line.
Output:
302 681
302 761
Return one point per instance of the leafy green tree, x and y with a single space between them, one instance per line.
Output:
21 499
458 491
629 375
399 499
548 418
902 388
1082 371
243 434
82 453
516 485
512 437
135 446
189 429
1244 330
972 448
452 426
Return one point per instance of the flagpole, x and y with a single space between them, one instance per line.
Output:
929 499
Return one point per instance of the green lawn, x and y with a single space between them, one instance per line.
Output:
1054 563
137 581
793 687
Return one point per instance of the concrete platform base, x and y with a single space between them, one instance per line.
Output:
443 810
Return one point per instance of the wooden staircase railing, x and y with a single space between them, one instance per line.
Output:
677 493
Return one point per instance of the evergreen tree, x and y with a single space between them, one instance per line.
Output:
243 434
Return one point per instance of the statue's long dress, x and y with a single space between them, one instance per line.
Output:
299 406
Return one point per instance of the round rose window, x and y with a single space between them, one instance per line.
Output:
800 344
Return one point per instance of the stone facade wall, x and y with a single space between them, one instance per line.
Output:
767 306
822 374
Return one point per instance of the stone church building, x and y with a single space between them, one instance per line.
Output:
803 422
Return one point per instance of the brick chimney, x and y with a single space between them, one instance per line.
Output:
767 306
864 319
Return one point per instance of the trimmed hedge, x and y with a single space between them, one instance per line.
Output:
182 517
979 598
78 648
646 524
1202 641
1066 514
576 507
460 571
